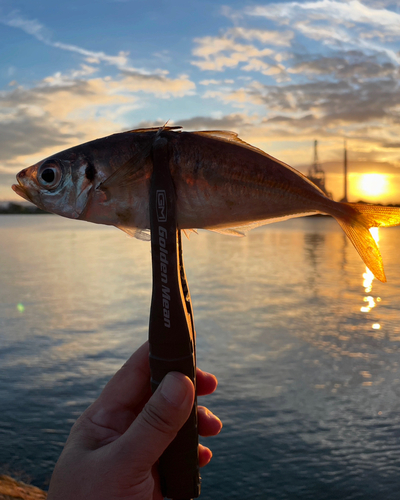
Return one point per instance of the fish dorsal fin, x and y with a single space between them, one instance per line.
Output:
153 129
228 136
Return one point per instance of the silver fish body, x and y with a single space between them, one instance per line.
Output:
221 182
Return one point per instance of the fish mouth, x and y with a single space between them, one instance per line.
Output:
17 188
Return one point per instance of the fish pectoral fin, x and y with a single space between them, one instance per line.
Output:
130 171
142 234
134 232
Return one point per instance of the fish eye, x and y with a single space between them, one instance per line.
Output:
49 175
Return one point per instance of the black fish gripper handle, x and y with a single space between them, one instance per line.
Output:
171 327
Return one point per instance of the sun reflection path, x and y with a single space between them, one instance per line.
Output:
367 284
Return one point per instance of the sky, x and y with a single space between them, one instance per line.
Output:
279 73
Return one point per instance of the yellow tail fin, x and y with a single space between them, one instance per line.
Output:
357 224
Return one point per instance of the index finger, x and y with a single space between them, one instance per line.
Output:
206 383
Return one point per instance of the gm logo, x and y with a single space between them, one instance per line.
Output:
161 205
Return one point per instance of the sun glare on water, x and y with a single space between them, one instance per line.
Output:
368 277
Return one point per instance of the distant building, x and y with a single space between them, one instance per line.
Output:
344 199
316 174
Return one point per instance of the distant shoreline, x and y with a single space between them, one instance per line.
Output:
12 208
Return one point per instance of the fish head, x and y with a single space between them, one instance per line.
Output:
60 184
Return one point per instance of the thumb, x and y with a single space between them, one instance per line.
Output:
160 420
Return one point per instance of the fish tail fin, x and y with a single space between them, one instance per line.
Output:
356 225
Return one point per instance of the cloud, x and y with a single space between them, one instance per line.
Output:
379 4
347 65
212 81
290 116
337 23
58 95
65 109
272 37
158 84
41 33
341 12
335 73
25 135
330 103
70 107
218 53
30 26
234 122
227 51
34 122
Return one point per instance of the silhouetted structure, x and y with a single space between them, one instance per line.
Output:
344 199
316 174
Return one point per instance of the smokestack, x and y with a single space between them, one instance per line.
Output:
345 172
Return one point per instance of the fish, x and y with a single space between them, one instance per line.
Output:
222 184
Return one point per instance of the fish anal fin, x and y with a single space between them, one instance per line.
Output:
230 231
187 232
245 227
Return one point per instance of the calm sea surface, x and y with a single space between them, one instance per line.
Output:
305 344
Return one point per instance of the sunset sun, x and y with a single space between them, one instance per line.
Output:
373 184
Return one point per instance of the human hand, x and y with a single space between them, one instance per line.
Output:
113 448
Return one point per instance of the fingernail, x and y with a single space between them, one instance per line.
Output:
174 389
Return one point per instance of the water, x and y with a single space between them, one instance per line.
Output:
305 348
